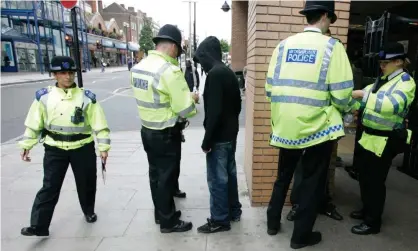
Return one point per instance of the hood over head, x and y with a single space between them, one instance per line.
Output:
209 53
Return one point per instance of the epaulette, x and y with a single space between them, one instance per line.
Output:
90 95
40 93
405 77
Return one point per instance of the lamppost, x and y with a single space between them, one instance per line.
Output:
126 26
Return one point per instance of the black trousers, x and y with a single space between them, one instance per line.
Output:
56 161
312 164
178 162
163 148
373 171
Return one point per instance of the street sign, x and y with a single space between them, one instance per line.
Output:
69 4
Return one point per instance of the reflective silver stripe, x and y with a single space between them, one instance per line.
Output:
403 96
103 141
380 121
187 111
27 137
279 60
56 68
299 84
352 102
147 73
326 60
67 128
341 85
156 82
152 105
300 100
395 104
269 81
379 101
159 125
340 102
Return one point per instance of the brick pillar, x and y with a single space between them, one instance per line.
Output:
239 35
269 22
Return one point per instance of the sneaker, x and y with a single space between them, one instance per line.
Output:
212 227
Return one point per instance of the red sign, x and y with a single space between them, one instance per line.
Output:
69 4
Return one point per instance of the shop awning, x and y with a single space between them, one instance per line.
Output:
107 43
133 46
10 34
120 45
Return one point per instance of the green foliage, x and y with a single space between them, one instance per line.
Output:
145 39
224 45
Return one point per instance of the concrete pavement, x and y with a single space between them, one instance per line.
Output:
13 78
125 210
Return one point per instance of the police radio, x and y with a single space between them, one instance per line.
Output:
78 115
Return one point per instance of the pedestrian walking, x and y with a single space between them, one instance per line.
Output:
164 103
309 84
64 116
222 105
386 104
188 75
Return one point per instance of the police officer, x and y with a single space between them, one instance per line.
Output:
64 117
309 84
386 104
164 102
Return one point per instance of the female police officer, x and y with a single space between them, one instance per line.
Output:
64 116
386 104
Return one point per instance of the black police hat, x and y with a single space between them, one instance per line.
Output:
171 33
392 51
328 6
63 64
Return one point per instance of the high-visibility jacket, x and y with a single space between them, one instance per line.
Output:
309 84
52 110
161 92
386 109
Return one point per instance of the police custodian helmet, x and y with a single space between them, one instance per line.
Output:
63 64
327 6
392 51
171 33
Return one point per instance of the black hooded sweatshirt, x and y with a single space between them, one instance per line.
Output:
221 96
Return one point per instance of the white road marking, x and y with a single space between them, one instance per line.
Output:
114 94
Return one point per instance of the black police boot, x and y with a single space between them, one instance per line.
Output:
273 230
364 229
314 238
357 215
331 212
177 214
181 226
180 194
90 218
33 231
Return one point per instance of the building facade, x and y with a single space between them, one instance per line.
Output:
257 28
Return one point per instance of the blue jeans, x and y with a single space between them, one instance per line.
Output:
222 182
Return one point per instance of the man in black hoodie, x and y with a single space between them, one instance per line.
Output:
222 105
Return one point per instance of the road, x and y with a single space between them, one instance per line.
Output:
111 89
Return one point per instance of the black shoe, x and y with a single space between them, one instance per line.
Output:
181 226
90 218
291 215
357 215
32 231
364 229
314 239
236 219
273 231
180 194
332 213
177 214
212 227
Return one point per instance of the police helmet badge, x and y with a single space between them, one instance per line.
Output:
65 65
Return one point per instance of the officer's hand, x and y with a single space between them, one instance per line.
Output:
355 115
25 155
358 94
103 156
195 97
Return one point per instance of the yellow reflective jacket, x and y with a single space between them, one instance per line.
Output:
52 110
386 109
161 92
309 84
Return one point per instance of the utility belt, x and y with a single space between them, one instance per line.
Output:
63 137
397 138
177 129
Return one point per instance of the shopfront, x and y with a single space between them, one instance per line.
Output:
133 49
121 52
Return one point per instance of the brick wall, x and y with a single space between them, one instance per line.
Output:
269 22
239 35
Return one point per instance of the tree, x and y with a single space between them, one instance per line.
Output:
145 39
224 46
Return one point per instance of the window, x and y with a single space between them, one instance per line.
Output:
100 26
114 30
